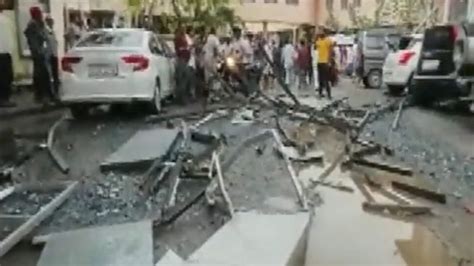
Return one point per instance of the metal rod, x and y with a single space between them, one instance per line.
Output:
220 181
55 155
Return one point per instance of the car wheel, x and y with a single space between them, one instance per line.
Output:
79 111
395 90
374 79
156 102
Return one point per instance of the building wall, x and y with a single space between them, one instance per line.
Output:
304 11
341 12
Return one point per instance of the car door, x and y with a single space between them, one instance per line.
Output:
161 65
171 58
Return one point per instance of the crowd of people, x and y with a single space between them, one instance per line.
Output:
313 62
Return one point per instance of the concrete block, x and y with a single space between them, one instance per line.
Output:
142 148
256 239
170 259
116 245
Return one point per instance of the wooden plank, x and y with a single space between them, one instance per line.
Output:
383 166
394 208
420 192
6 192
35 220
42 187
291 170
334 186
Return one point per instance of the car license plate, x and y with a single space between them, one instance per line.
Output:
430 65
102 71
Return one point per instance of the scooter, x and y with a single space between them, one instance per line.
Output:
243 78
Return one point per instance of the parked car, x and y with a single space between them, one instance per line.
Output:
400 64
373 46
111 66
446 65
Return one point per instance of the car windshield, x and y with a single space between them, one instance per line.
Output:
112 39
414 42
375 42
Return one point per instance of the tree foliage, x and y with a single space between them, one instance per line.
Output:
209 13
396 12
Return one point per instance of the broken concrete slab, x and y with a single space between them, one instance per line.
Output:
170 259
341 233
142 148
12 239
256 239
123 244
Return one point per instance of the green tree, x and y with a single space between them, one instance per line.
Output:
210 13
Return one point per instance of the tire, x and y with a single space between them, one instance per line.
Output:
156 102
79 111
373 79
395 90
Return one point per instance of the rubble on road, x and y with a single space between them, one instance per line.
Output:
210 173
43 213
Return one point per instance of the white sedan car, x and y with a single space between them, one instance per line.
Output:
400 66
117 66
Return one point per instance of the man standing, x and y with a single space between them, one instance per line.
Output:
182 73
303 62
53 51
6 64
211 51
324 46
288 59
37 39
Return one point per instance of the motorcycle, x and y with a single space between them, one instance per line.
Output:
243 78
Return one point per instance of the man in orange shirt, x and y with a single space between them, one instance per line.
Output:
324 47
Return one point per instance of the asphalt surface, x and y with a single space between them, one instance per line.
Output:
439 144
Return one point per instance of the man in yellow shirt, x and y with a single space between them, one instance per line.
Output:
324 47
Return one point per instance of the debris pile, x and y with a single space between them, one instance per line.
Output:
227 162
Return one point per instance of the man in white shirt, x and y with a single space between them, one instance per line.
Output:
211 51
288 59
6 64
241 47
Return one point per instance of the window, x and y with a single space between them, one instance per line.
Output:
344 4
271 1
155 46
376 42
292 2
357 3
247 1
112 39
